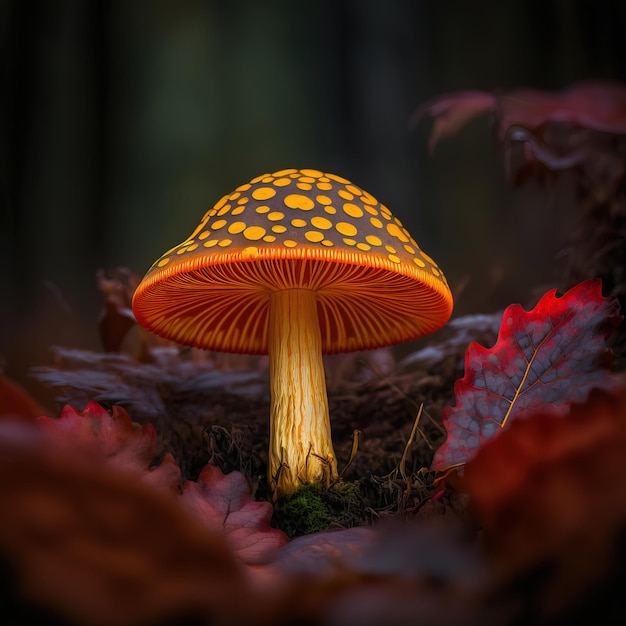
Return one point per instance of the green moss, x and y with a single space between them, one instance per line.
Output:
314 508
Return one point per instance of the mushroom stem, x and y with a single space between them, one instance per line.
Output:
301 449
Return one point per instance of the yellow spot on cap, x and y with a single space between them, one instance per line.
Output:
354 189
243 200
274 216
290 243
368 197
306 179
327 243
251 252
374 221
269 238
234 196
349 242
220 203
181 250
323 199
331 210
210 243
390 249
314 236
192 247
352 210
262 209
394 231
338 179
236 227
163 262
370 209
285 172
314 173
298 223
435 271
419 262
244 187
346 195
393 258
363 246
409 249
253 233
224 243
279 228
298 201
324 186
258 178
263 193
321 222
304 186
267 179
217 224
224 210
282 182
346 229
203 235
375 241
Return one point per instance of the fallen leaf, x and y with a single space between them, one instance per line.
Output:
82 543
222 502
550 356
15 401
550 497
113 436
116 318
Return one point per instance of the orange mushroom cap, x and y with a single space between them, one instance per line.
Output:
288 230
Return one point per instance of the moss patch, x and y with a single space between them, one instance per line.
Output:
314 508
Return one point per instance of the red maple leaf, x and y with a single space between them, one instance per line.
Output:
550 356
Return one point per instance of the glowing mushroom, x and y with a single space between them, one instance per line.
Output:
295 264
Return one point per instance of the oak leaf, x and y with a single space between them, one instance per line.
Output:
550 357
223 502
124 444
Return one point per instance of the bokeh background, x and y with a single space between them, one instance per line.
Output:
124 121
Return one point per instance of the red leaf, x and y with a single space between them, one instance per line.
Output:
596 105
547 357
451 112
550 496
88 545
223 502
15 401
125 445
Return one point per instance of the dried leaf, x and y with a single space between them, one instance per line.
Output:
547 357
117 316
222 502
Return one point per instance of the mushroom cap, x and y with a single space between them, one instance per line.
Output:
295 229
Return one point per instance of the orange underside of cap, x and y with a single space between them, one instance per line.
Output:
221 302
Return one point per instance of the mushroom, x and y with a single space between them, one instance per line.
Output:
295 264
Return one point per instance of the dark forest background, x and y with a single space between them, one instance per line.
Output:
124 121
